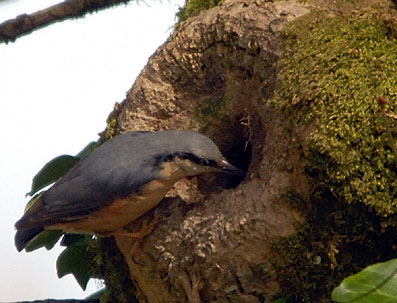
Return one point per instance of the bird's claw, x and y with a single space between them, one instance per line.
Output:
138 236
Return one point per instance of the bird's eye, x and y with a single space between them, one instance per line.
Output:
169 158
204 162
213 163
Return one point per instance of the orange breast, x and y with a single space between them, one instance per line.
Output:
121 212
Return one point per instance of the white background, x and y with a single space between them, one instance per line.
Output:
57 87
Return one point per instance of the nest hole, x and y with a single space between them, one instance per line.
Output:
239 154
235 143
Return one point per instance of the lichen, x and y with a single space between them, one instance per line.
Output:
331 74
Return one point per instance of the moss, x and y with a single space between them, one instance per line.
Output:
111 127
212 113
210 109
332 72
335 242
110 266
193 7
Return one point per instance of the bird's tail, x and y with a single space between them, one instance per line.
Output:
24 236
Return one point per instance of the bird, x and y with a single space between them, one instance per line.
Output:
120 181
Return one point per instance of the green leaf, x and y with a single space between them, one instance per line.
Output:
76 260
69 239
51 172
88 149
280 300
57 167
45 239
376 283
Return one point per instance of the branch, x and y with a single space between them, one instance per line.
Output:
24 24
62 301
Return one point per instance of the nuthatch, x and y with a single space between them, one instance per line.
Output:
120 181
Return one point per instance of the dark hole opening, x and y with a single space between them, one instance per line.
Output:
238 154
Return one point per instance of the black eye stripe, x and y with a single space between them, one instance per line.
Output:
191 157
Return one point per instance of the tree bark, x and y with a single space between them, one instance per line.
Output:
213 241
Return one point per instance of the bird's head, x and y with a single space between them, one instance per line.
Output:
191 153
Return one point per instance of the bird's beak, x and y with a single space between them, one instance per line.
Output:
226 167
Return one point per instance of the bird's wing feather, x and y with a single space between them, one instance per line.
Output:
92 184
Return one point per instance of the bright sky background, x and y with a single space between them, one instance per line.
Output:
57 87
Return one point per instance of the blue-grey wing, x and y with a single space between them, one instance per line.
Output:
108 173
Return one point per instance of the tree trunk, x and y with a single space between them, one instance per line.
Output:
212 76
216 240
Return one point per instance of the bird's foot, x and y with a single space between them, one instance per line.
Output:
145 230
192 284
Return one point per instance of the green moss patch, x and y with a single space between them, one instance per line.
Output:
336 241
331 75
193 7
211 108
110 266
332 72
